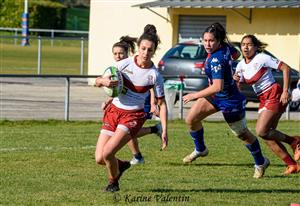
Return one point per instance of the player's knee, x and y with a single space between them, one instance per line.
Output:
99 159
264 134
107 154
239 128
188 121
261 131
191 123
242 134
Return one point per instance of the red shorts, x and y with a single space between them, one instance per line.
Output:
127 120
270 100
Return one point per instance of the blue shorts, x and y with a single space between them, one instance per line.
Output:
148 115
233 108
147 107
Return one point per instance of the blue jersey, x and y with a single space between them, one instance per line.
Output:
230 101
218 66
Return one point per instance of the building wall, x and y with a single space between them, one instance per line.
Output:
109 20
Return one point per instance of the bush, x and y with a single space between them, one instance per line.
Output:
42 14
11 13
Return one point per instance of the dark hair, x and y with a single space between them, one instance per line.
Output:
127 43
218 31
149 34
260 45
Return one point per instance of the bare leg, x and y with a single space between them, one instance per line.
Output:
102 140
143 131
265 128
133 146
277 148
113 145
199 111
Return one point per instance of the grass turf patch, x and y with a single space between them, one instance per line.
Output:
52 163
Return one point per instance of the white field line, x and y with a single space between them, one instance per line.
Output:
18 149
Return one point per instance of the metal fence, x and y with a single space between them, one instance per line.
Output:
52 32
40 40
67 89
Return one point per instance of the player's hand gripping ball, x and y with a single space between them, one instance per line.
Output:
115 75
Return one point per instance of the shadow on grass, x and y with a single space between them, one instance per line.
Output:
216 190
217 164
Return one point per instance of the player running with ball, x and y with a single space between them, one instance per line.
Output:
124 117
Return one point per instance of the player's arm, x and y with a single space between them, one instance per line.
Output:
286 82
217 82
163 114
153 102
277 64
216 87
105 81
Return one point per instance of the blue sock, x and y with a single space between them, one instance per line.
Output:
255 151
198 140
138 156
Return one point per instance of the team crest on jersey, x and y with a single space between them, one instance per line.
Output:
214 60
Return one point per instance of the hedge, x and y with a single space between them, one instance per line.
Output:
43 14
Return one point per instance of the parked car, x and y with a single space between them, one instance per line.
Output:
188 59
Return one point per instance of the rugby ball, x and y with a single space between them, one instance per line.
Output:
115 75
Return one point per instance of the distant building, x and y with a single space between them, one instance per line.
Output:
276 23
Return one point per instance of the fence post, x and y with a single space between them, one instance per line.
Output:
180 97
39 54
81 55
16 36
52 37
67 98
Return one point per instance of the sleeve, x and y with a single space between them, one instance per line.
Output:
271 61
159 86
122 64
217 68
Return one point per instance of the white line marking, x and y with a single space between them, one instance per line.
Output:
17 149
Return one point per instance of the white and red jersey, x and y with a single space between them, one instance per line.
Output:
258 72
137 83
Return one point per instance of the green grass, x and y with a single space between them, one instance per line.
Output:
52 163
61 58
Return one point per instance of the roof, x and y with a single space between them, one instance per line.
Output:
222 4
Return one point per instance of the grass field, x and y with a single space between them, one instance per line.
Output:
52 163
61 58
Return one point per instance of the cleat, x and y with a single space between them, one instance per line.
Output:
112 187
194 155
135 161
292 169
296 148
113 184
159 130
260 169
